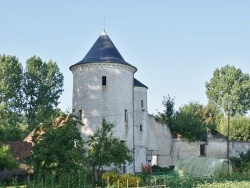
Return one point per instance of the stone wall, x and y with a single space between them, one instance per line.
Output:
239 147
159 142
97 101
216 148
112 101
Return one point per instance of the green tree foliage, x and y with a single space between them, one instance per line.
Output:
106 150
42 88
168 112
58 147
10 128
229 90
212 117
10 94
6 158
27 97
11 81
190 123
240 128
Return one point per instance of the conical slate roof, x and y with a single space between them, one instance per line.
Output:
137 83
104 51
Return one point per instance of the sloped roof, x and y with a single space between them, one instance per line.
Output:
104 51
137 83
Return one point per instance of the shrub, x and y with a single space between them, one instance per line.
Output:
6 158
110 177
241 163
114 177
156 168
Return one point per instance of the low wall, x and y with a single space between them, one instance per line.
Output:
159 142
216 148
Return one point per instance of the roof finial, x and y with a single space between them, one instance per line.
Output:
104 32
104 22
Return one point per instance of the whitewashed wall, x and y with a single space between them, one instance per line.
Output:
141 127
159 141
98 101
110 101
216 148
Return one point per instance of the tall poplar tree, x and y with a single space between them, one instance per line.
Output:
11 77
229 90
42 88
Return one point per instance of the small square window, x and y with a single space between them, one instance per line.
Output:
104 80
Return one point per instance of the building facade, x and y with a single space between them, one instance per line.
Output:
104 86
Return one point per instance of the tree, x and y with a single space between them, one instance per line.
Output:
212 117
168 112
11 81
106 150
6 158
29 97
229 90
42 88
190 123
58 147
11 77
240 128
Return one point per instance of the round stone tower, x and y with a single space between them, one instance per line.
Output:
103 87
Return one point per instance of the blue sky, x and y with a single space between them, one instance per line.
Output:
176 45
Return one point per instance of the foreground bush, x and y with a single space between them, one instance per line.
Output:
157 169
171 180
113 178
241 163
